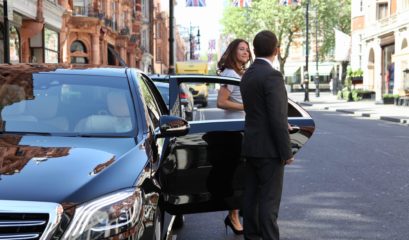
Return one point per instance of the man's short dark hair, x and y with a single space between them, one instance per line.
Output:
265 43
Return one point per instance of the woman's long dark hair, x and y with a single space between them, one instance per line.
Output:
229 58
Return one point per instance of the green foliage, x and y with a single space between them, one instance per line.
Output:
359 94
286 21
390 96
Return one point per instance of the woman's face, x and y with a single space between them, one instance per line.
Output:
243 53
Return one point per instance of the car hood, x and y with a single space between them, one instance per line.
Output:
67 170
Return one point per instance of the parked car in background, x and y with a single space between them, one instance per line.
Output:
97 154
185 96
200 93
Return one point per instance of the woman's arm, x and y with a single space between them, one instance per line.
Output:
224 102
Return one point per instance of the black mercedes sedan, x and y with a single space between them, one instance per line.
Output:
96 154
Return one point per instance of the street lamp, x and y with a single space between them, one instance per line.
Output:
171 38
6 41
306 75
193 42
317 77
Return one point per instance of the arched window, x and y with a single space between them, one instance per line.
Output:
78 53
14 45
78 46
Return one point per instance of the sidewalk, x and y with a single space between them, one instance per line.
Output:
327 101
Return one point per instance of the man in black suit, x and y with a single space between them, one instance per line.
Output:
266 144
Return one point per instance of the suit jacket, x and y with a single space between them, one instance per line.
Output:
266 105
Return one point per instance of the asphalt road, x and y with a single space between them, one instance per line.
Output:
350 181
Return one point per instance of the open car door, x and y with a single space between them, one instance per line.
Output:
204 170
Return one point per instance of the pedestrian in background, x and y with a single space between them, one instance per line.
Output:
233 64
266 144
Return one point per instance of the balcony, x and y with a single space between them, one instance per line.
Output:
124 31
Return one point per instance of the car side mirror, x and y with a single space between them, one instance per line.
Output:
172 126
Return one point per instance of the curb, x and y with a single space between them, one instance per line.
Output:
362 114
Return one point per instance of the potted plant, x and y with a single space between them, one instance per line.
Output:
390 98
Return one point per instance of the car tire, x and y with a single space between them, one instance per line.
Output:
204 104
178 222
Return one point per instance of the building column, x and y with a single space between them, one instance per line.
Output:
378 70
398 83
96 54
123 55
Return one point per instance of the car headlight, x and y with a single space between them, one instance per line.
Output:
105 216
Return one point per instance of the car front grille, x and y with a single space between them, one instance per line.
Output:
15 226
28 220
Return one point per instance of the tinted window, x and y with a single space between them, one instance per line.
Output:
164 92
58 103
150 101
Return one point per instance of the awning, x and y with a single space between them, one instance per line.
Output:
323 70
290 71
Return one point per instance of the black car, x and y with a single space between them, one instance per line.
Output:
96 154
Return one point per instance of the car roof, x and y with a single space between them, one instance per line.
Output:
164 78
106 71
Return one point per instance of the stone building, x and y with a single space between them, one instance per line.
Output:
101 32
97 32
380 35
34 26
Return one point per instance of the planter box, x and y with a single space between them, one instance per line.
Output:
388 100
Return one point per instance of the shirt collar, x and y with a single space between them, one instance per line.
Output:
267 60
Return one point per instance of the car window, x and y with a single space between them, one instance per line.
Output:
200 101
150 101
64 103
164 92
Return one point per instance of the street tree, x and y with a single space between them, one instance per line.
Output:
288 22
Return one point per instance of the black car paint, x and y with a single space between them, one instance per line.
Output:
208 179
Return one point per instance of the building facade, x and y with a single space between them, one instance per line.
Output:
380 35
34 27
101 32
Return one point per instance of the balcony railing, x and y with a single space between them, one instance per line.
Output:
124 31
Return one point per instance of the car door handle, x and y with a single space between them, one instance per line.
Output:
295 129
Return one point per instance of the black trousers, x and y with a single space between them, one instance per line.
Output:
262 196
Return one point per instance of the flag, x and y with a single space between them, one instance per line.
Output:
342 46
195 3
212 44
290 2
242 3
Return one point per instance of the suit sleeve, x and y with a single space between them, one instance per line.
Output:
277 112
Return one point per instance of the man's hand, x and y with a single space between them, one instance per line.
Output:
289 161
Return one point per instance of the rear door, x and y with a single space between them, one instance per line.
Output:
204 170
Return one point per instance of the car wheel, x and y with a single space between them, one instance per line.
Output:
178 222
157 235
204 104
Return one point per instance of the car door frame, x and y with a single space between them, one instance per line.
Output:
181 183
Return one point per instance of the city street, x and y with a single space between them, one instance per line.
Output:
350 181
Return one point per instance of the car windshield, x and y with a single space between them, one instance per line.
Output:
69 104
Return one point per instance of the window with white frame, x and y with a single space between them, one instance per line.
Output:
405 4
382 10
50 46
82 7
145 9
